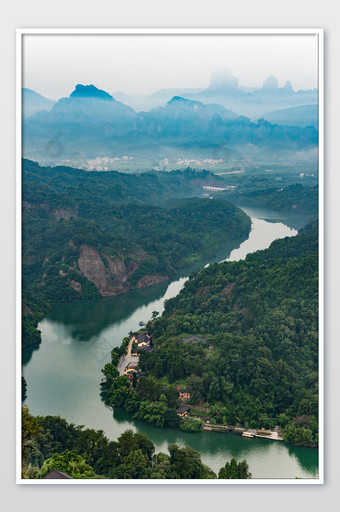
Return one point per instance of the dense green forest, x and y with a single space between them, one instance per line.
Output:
50 442
281 188
293 198
259 365
66 186
87 235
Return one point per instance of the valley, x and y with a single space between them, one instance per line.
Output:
83 242
170 280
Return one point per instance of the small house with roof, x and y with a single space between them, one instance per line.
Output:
142 340
182 410
140 374
184 394
55 473
148 349
131 367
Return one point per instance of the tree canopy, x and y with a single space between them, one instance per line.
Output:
132 226
256 363
87 453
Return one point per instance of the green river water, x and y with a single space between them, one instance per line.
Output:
63 372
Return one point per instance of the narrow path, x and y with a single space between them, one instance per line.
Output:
125 360
129 348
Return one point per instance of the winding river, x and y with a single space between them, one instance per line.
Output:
63 373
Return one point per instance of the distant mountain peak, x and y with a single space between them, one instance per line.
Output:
90 91
177 102
33 102
271 83
288 85
179 99
223 79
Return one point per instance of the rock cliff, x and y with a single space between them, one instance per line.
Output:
111 275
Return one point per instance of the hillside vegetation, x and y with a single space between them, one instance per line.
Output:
259 365
87 235
294 198
51 443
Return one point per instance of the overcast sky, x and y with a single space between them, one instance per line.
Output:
54 64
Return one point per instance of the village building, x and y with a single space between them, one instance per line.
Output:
130 375
148 349
55 473
131 367
142 340
182 410
140 374
184 394
136 350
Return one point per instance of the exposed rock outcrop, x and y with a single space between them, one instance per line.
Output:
202 291
92 267
110 275
27 311
227 291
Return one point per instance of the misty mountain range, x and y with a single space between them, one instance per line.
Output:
224 89
33 102
304 115
91 122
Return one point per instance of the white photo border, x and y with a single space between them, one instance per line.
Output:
20 33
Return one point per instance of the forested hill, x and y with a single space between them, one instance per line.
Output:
294 198
66 186
260 315
87 235
51 443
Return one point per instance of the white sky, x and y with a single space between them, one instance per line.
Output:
54 64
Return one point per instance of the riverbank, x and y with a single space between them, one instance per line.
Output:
214 345
273 435
191 418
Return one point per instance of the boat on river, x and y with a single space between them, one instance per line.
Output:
247 434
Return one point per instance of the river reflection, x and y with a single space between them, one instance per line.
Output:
266 459
101 313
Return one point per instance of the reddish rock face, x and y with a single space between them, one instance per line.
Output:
110 279
111 275
227 291
92 267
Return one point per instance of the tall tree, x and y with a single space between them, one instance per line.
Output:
30 429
